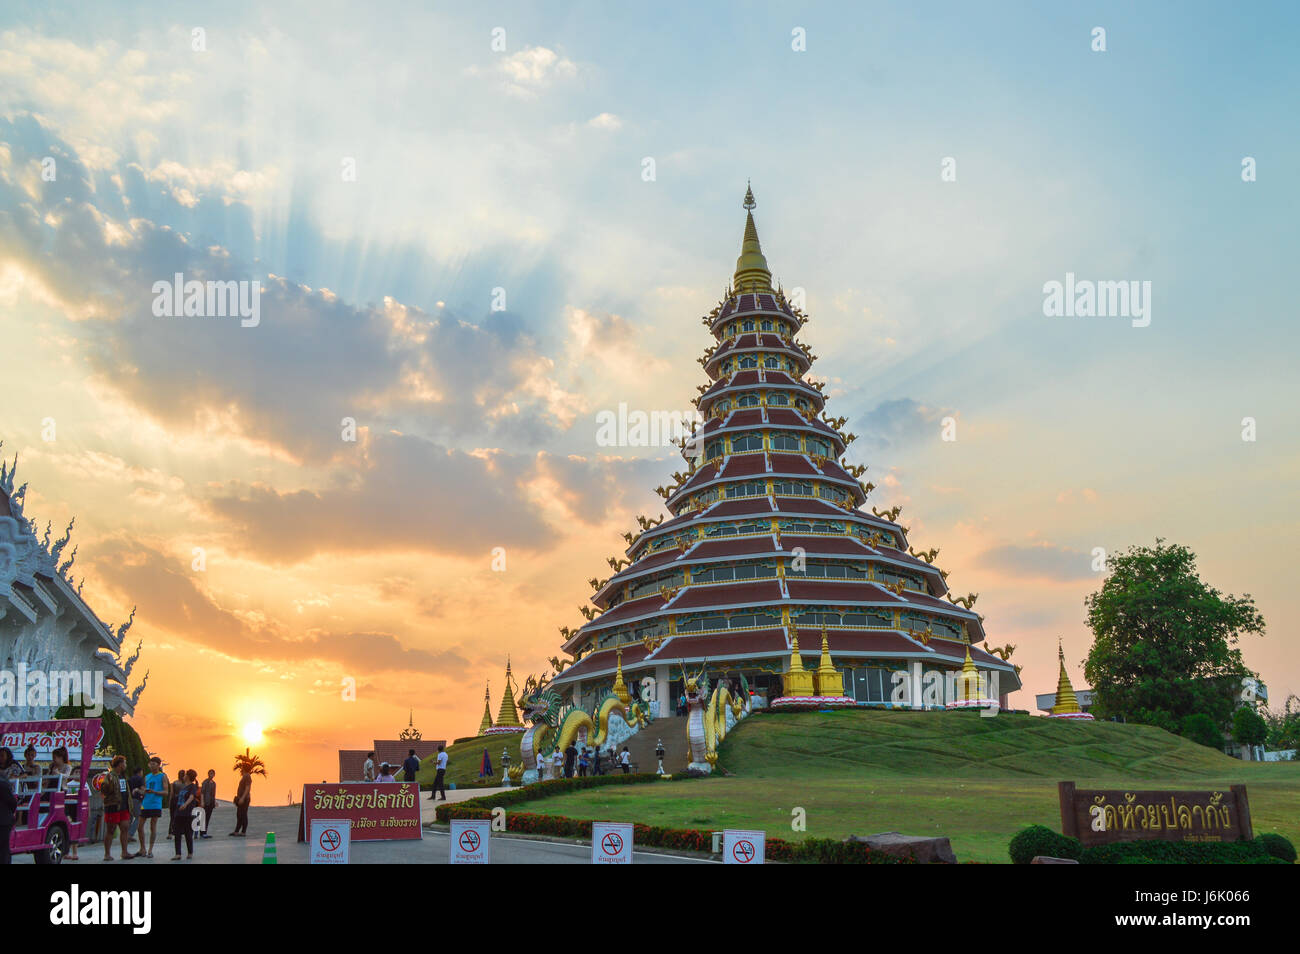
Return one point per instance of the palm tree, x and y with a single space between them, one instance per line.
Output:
252 764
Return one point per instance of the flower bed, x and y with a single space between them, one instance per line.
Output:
809 851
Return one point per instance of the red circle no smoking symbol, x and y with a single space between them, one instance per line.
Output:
612 843
329 840
743 851
469 840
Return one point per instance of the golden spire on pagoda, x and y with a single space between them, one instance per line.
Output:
972 683
797 681
830 682
508 715
620 689
487 710
1065 700
752 274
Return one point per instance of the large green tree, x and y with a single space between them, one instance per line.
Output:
1165 642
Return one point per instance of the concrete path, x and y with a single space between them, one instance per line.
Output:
435 848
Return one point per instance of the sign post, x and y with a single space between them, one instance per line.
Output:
331 841
741 847
1105 816
611 843
379 811
469 841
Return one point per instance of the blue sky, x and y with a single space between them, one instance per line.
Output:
521 169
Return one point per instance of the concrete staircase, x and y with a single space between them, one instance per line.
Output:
677 754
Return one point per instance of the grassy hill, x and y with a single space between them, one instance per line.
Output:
976 780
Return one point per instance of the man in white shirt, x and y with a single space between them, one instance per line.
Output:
439 783
625 760
368 770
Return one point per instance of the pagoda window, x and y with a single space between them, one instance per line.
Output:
747 400
785 442
792 488
801 404
832 493
767 324
755 571
731 328
720 530
777 399
747 442
753 620
748 361
818 447
771 361
714 448
796 526
696 623
747 324
748 488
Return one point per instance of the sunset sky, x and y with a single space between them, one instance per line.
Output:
522 169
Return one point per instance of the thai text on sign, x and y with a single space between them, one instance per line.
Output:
1105 816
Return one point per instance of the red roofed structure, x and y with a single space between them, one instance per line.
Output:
768 534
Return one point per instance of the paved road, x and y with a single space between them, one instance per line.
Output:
435 848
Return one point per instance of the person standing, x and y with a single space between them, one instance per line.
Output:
183 817
368 770
583 761
385 773
8 806
410 766
117 807
625 760
243 797
136 786
596 768
154 801
59 766
440 776
541 766
177 784
570 757
209 801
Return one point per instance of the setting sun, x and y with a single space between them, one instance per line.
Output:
252 733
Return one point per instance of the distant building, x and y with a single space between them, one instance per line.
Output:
393 751
49 635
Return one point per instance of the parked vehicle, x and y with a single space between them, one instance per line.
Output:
53 810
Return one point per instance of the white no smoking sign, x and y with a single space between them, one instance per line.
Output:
611 843
743 847
469 841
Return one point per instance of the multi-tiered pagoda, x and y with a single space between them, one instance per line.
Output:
765 540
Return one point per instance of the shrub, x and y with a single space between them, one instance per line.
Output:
117 733
1179 853
1278 847
1200 728
1041 840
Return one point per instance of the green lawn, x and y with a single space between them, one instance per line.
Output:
975 780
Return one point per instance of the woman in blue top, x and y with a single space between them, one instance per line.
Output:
155 797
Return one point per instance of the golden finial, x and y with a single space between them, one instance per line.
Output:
752 274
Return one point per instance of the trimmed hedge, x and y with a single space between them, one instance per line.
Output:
1180 853
1278 846
1038 840
1041 840
809 851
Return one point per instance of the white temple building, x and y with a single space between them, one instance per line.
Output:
46 630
